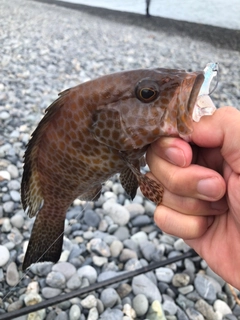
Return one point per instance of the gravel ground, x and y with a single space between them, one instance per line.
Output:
44 50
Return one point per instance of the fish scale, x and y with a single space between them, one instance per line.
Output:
93 131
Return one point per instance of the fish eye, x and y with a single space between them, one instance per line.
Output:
147 91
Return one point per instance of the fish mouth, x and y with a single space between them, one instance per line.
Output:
192 84
204 105
199 80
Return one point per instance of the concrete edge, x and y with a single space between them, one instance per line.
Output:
217 36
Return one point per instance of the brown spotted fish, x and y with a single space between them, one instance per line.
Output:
93 131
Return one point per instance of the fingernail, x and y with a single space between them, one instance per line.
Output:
208 187
175 156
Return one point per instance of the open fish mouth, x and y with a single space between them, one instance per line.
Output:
204 104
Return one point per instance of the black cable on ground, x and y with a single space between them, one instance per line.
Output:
53 301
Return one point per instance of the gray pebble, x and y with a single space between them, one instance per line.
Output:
17 221
141 221
88 272
112 314
91 218
8 206
122 233
56 279
12 276
142 284
185 290
74 312
193 314
13 170
62 316
140 304
109 297
127 254
15 196
181 315
14 185
74 282
180 245
205 287
164 274
135 209
139 237
65 268
189 265
148 250
215 276
169 307
229 317
49 293
99 247
16 305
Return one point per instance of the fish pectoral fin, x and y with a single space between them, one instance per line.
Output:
151 189
46 240
92 194
129 182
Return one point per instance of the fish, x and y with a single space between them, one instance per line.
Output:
93 131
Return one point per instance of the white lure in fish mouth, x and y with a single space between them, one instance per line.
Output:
204 105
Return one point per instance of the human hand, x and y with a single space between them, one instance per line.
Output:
201 201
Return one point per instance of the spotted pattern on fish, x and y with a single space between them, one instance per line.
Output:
93 131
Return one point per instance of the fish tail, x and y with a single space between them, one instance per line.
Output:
46 240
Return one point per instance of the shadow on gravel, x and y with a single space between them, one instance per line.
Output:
217 36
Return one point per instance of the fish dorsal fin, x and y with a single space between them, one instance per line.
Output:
31 193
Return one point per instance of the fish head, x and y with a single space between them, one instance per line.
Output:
150 103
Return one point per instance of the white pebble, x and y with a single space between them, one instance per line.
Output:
221 307
116 212
89 302
93 314
4 175
4 255
4 115
6 226
32 298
